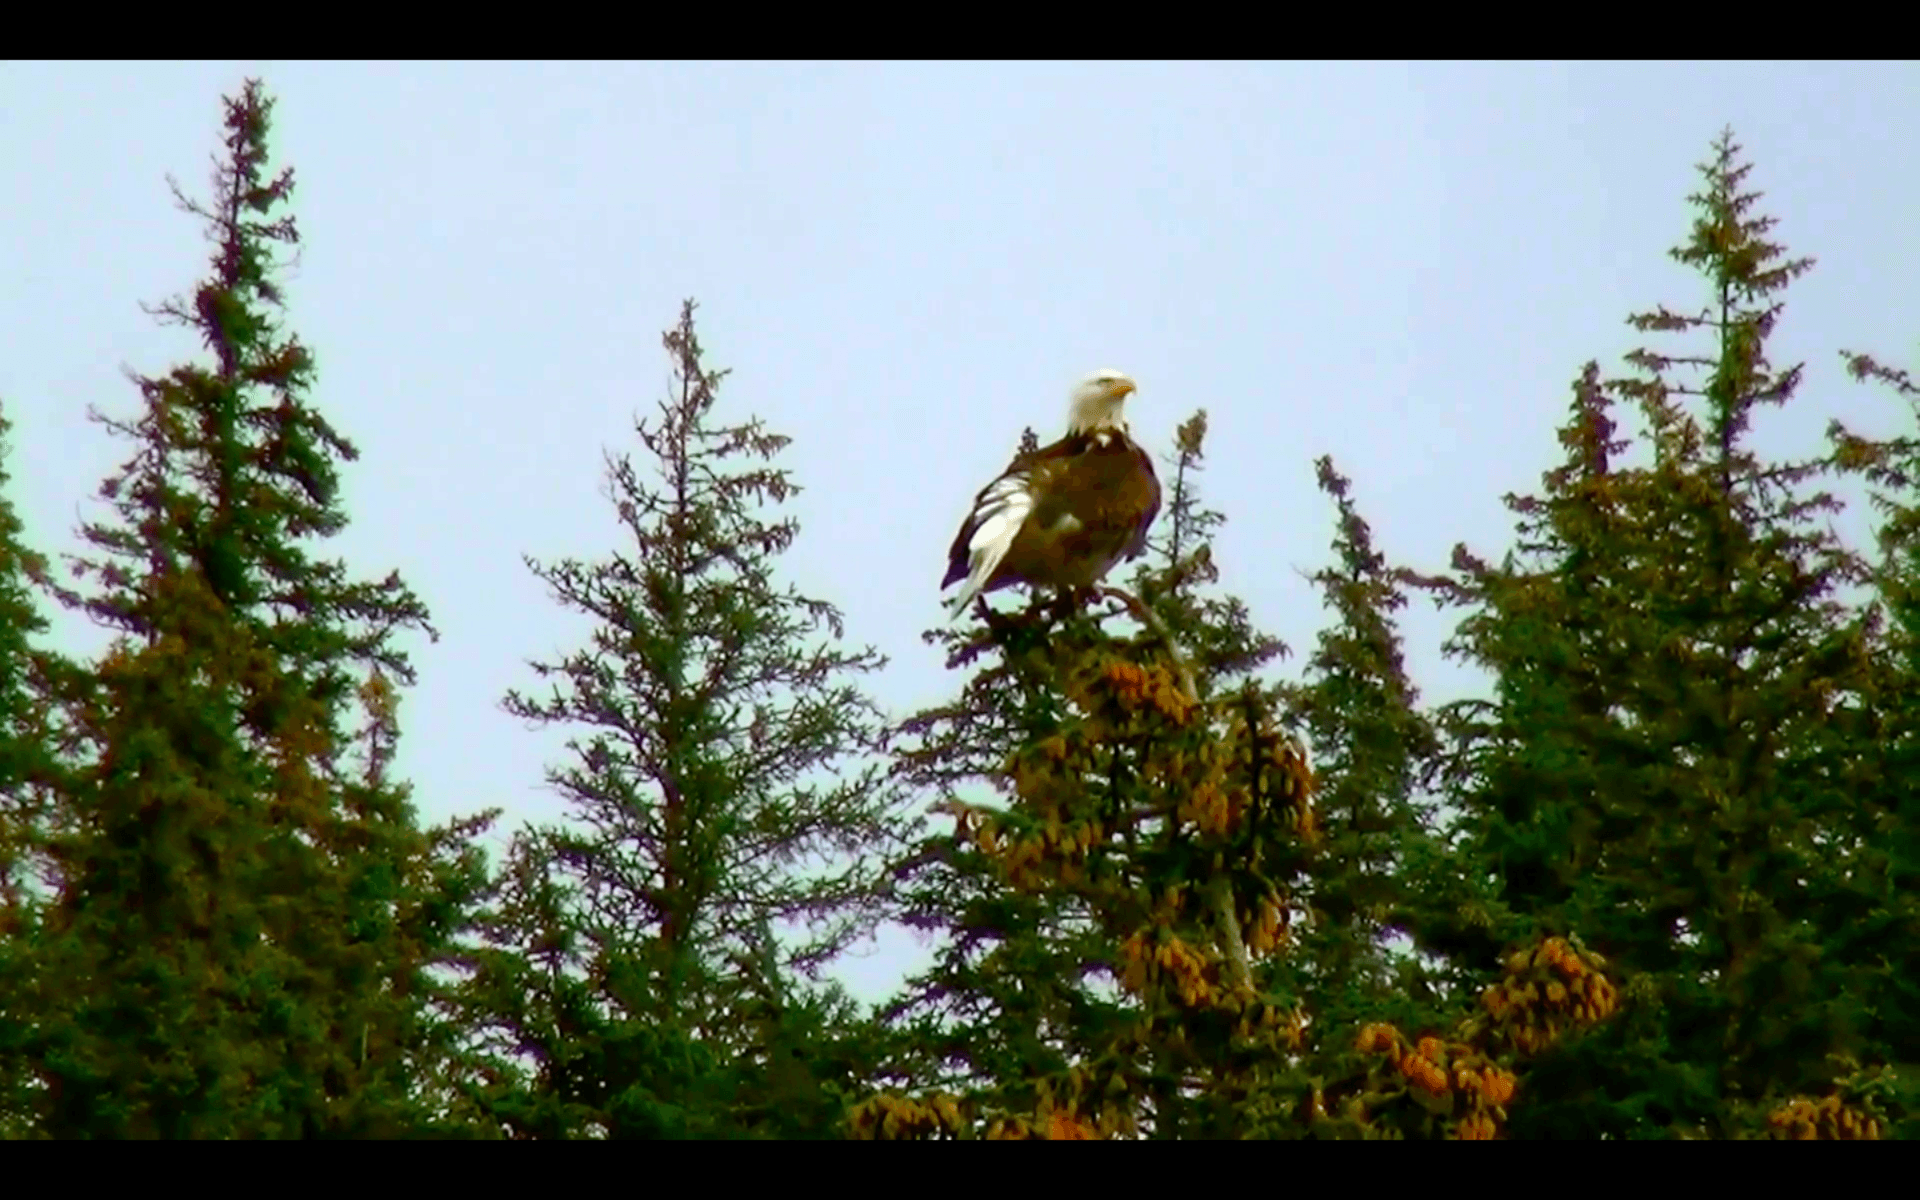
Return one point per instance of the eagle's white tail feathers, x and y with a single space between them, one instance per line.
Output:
1002 509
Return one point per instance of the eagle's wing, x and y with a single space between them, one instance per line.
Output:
999 512
1138 545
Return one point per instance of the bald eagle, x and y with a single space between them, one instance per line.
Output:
1064 515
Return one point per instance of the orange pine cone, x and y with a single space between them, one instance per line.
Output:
1499 1087
1065 1127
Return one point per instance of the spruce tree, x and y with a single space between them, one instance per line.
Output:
651 954
1378 866
24 753
1103 923
1657 770
1884 849
26 766
246 911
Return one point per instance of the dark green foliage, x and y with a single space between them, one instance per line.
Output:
636 969
24 755
1885 846
1377 872
244 911
26 769
1665 766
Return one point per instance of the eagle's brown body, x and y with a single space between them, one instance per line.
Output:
1093 497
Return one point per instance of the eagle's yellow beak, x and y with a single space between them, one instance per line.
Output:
1120 388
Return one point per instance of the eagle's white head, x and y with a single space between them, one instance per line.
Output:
1098 400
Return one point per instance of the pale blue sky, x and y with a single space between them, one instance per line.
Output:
1401 265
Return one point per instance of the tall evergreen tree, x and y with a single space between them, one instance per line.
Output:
246 911
1885 847
1658 770
651 953
24 754
1135 873
1378 866
26 763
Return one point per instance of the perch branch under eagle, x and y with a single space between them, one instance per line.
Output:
1064 515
